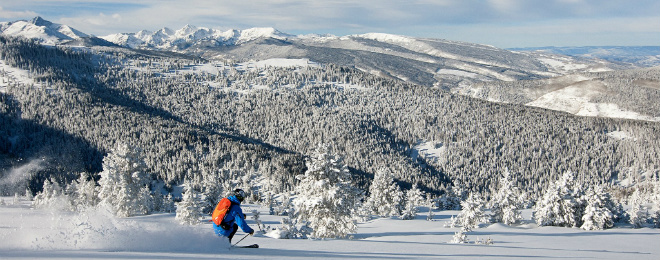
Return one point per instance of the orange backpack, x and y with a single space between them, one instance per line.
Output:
220 211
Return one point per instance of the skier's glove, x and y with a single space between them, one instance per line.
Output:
252 233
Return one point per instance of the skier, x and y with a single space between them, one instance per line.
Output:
234 218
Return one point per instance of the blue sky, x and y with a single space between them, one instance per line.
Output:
502 23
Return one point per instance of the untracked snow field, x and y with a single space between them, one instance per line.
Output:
27 233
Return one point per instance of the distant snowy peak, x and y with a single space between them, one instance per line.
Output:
189 35
384 37
41 30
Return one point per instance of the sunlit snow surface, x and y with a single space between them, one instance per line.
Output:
47 234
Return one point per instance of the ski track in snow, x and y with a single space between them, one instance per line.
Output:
50 234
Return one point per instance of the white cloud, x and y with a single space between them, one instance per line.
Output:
6 14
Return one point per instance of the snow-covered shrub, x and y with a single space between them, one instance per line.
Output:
123 180
507 201
257 220
289 230
385 196
596 215
189 210
561 205
460 237
326 199
487 241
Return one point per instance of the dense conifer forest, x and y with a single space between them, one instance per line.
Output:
220 121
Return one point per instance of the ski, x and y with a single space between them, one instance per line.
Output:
250 246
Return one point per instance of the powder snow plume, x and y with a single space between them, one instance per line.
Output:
15 180
97 229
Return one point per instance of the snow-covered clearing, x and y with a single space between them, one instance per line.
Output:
9 74
576 99
458 73
28 233
429 151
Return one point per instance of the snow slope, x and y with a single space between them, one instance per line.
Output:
49 234
41 30
575 98
11 75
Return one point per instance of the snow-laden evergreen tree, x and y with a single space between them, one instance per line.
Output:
326 198
596 215
655 215
28 195
86 194
385 196
52 196
123 180
561 205
211 191
638 212
507 201
413 199
189 210
471 215
168 204
453 196
430 215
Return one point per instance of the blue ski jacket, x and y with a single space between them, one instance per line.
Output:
234 216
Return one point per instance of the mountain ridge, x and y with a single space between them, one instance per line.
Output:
458 67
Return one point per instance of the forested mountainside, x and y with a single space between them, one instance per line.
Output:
626 93
209 120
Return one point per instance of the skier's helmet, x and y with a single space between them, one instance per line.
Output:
240 194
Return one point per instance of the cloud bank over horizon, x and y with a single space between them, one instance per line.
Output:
503 23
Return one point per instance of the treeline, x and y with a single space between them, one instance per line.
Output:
191 123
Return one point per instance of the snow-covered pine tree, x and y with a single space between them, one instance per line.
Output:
189 210
28 195
326 199
122 181
430 203
506 203
385 196
597 216
472 213
413 198
561 204
655 215
211 191
638 212
52 196
86 194
451 199
168 204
